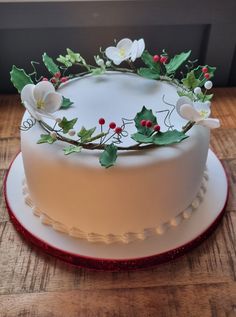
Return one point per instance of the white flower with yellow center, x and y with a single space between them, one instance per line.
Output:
125 50
197 112
41 100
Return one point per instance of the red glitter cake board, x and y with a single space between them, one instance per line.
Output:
114 257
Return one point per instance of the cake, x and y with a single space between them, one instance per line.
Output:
126 160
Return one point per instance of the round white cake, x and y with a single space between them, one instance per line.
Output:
144 194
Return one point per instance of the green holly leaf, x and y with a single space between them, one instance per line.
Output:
141 138
67 125
19 78
168 137
50 65
85 135
204 98
189 94
72 149
176 62
46 138
66 103
191 81
147 58
198 74
148 73
108 156
144 114
64 60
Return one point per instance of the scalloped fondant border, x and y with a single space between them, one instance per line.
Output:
126 237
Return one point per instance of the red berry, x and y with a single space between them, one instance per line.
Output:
157 128
148 123
118 130
156 58
163 59
207 75
63 79
53 80
112 125
204 69
143 123
57 75
101 121
44 79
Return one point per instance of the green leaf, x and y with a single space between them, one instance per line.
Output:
141 138
66 103
148 73
74 57
204 98
198 74
108 156
191 81
67 125
72 149
169 137
64 60
49 63
85 135
176 62
189 94
19 78
98 71
147 58
46 138
144 114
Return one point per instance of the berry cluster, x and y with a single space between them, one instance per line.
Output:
56 78
205 72
160 58
149 124
112 125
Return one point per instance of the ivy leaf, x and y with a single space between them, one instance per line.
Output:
198 73
19 78
148 73
66 103
144 114
98 71
141 138
108 156
191 81
85 135
72 149
64 60
67 125
176 62
147 58
49 63
169 137
46 138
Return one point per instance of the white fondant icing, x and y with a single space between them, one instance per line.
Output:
144 189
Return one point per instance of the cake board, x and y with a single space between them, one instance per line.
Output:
115 257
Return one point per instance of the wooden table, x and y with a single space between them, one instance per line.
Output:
200 283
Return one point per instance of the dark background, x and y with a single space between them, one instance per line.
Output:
208 28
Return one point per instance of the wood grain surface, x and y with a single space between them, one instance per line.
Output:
201 283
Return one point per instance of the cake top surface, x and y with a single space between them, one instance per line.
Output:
114 108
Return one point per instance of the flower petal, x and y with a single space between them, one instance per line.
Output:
210 123
126 44
188 112
134 51
181 101
27 94
141 47
113 54
42 89
203 108
32 111
53 102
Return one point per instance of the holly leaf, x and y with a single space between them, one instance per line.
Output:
67 125
141 138
66 103
176 62
46 138
144 114
85 135
50 65
72 149
148 73
168 137
191 81
108 156
19 78
147 58
198 73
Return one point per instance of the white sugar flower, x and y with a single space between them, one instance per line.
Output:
197 112
41 100
125 50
